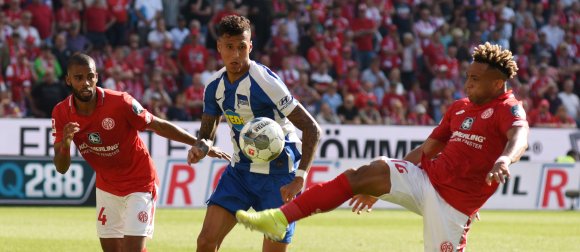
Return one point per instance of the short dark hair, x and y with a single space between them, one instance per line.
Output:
496 57
233 25
80 59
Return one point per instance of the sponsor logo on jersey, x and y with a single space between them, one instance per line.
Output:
285 101
446 246
143 217
466 125
242 100
137 108
235 120
103 151
95 138
487 113
108 123
472 140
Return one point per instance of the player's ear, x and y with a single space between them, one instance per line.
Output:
67 80
218 46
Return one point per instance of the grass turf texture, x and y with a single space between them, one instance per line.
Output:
73 229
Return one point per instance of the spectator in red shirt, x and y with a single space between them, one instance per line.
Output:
119 9
343 63
67 16
366 95
194 97
318 53
28 32
98 19
288 75
562 120
42 18
19 78
390 50
191 58
13 13
165 63
364 30
541 116
336 20
229 9
352 84
419 116
280 45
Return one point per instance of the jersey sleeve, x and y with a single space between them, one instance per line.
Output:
512 114
57 125
137 116
278 93
442 132
210 105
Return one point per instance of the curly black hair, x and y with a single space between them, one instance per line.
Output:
233 25
496 57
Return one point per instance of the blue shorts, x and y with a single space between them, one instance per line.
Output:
240 190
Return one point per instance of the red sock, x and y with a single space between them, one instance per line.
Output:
319 198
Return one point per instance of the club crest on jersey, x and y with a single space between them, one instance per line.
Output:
137 108
466 125
108 123
487 113
95 138
235 119
242 100
446 246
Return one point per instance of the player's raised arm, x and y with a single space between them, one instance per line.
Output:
310 138
513 151
62 149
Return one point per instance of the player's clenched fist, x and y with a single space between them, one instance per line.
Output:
198 151
69 131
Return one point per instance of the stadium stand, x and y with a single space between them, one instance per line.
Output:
403 61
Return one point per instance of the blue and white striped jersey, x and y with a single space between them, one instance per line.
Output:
259 93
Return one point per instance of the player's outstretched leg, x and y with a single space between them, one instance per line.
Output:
372 179
272 222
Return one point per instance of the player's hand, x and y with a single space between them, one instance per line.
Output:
290 190
361 201
68 132
500 171
198 151
216 152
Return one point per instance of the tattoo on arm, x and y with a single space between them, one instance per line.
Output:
208 127
310 135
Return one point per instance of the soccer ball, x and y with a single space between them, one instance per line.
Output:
262 140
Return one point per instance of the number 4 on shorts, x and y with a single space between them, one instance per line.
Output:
102 217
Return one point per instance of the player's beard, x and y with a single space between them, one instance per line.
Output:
84 97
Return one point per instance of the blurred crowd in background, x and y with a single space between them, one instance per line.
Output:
385 62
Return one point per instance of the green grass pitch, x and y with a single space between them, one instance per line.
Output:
73 229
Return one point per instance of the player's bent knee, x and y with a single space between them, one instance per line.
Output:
372 179
205 243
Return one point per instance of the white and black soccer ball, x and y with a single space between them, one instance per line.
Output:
262 139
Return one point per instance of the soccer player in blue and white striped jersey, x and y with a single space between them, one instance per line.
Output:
241 91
